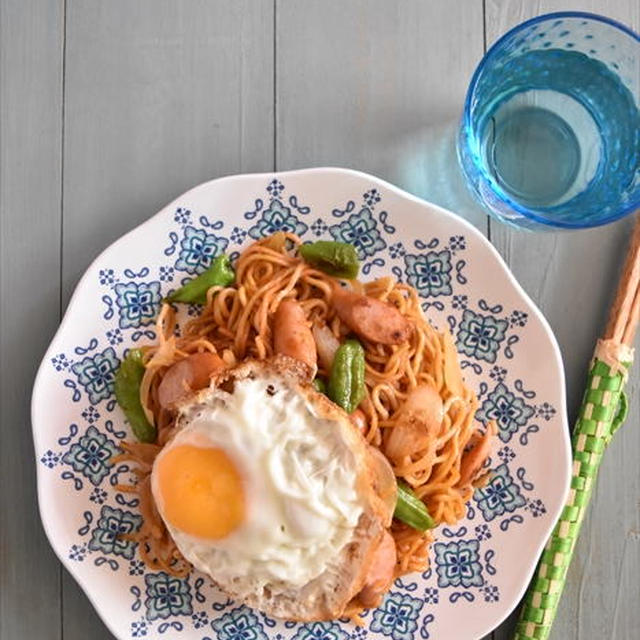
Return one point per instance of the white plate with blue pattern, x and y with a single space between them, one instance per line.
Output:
480 567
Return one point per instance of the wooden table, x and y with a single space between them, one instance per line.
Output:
109 109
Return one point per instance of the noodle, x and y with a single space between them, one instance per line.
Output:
236 324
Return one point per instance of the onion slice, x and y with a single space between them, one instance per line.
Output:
326 344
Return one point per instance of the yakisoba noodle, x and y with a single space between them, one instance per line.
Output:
235 324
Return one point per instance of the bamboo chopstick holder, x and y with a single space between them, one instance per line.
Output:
603 411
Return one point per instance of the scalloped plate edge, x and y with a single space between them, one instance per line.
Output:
37 419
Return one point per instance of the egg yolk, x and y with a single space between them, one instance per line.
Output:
201 491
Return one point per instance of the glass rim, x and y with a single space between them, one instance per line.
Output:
486 58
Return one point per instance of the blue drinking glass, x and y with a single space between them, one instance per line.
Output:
550 134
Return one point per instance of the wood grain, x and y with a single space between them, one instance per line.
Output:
572 277
378 86
160 96
30 169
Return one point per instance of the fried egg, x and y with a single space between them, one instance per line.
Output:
266 487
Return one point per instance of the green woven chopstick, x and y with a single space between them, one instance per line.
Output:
603 410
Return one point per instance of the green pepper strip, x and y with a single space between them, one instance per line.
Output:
346 382
219 274
411 510
337 259
127 389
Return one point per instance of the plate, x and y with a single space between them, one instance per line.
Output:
480 567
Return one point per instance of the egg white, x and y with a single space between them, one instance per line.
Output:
302 505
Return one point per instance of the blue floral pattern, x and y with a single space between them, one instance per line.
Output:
239 624
361 230
60 362
96 374
77 553
430 273
138 303
491 593
320 631
277 217
80 457
106 276
112 525
114 336
138 629
509 411
99 496
197 250
91 455
319 227
501 495
182 216
537 508
50 459
167 596
398 615
480 336
458 563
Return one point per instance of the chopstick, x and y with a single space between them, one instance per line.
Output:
625 311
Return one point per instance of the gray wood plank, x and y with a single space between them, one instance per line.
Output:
30 164
159 97
571 277
378 86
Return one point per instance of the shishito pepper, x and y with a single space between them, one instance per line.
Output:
127 389
411 510
346 381
337 259
219 274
